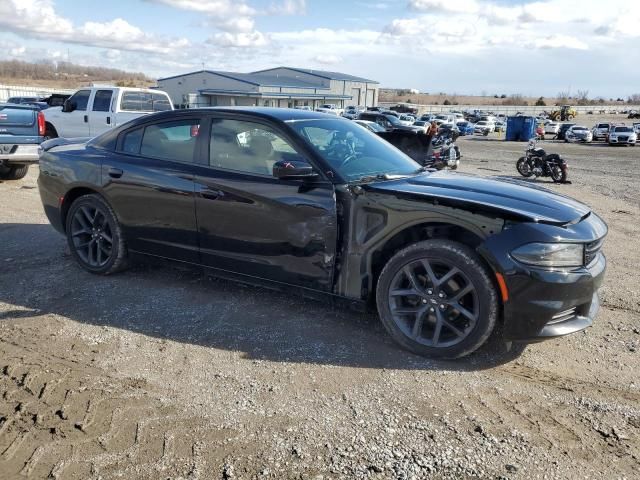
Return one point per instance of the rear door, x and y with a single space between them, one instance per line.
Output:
101 115
149 183
252 223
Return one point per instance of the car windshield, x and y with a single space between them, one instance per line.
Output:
579 128
355 153
481 124
393 120
623 129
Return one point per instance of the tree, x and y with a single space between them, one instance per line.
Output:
446 102
503 95
583 97
634 99
540 102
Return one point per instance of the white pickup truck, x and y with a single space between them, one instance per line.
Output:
94 110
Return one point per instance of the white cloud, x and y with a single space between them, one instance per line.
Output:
215 8
239 40
327 59
288 7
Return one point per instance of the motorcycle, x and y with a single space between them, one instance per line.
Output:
444 153
538 163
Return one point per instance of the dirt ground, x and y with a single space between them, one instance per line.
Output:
160 372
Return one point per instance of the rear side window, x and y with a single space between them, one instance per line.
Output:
144 102
131 141
102 101
174 140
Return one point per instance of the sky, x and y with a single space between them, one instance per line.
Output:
470 47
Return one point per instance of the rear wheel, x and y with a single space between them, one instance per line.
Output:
524 168
436 299
95 237
14 172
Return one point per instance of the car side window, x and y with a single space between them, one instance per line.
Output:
81 99
102 101
175 140
131 141
247 147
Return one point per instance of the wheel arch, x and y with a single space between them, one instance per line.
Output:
49 125
71 196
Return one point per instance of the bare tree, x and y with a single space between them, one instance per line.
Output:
634 99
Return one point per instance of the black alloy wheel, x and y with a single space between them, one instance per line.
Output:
436 299
94 236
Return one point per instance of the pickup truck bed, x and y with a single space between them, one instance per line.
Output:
21 133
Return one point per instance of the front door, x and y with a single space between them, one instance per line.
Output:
252 223
149 182
76 123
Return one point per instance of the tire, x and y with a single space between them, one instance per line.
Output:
102 256
15 172
458 329
520 166
50 132
557 174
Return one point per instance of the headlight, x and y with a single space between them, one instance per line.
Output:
550 254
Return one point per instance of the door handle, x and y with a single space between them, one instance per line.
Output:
115 172
108 120
211 194
86 119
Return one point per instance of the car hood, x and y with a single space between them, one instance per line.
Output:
518 198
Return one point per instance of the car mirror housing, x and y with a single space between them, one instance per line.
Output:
69 106
293 170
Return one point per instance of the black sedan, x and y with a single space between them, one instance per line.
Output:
319 205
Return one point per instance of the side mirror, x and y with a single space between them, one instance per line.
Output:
293 170
69 106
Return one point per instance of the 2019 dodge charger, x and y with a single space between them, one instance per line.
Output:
308 202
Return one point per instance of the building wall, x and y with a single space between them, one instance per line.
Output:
179 87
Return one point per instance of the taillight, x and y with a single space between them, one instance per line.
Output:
41 128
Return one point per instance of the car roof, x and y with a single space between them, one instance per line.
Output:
282 114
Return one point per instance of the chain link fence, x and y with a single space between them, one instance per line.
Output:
7 91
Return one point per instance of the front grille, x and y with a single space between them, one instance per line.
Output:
623 139
591 251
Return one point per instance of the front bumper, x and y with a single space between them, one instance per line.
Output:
546 303
19 154
618 141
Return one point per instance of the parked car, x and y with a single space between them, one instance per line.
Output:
483 127
55 99
407 120
309 203
636 128
428 117
465 128
21 133
404 108
623 135
422 124
578 133
634 114
446 118
551 128
500 126
371 126
563 130
330 108
600 131
351 112
33 101
92 111
388 122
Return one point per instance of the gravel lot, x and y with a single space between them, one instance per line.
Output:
163 373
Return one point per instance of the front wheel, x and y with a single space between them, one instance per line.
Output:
94 236
524 168
15 172
558 175
436 298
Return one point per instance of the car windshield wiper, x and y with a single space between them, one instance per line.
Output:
380 176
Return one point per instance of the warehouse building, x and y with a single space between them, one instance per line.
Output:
275 87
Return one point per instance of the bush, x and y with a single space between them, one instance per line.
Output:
540 102
446 102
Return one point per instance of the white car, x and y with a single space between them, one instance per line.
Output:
482 126
407 120
552 128
623 135
578 133
352 112
449 119
94 110
600 131
330 108
371 126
